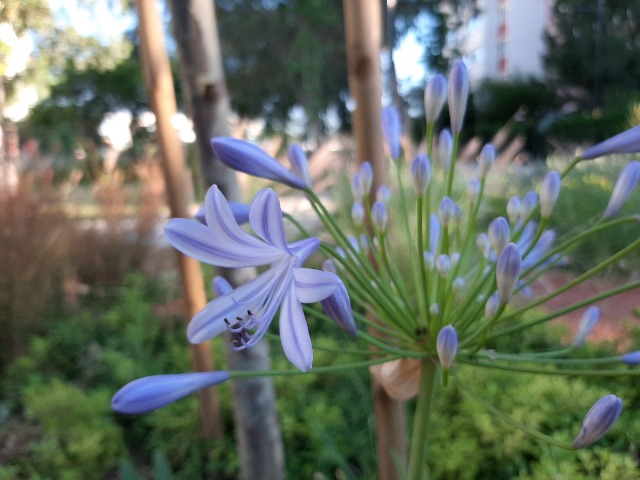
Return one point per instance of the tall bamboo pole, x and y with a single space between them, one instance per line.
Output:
159 84
363 28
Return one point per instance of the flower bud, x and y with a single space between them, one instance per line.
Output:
357 213
632 358
499 233
447 211
429 260
329 266
455 258
435 95
483 245
473 189
357 188
299 163
421 173
447 346
528 205
383 194
599 419
434 233
625 142
513 209
392 130
587 323
549 191
220 286
491 306
627 181
338 308
508 271
458 284
486 159
443 265
150 393
458 88
248 158
445 148
434 309
366 177
379 216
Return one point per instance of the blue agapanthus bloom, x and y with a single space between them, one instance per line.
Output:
247 311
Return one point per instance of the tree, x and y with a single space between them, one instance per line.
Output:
593 49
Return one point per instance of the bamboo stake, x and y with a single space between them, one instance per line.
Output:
159 84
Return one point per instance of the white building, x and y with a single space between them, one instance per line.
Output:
506 39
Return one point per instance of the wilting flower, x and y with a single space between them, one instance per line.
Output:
599 419
625 142
150 393
447 346
587 323
627 181
392 129
247 311
299 163
248 158
400 378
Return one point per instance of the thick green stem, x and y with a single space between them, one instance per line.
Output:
424 405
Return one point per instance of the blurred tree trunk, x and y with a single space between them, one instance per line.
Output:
159 85
363 27
206 98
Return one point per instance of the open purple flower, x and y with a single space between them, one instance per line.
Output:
247 311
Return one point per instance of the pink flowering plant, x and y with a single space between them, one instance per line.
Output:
413 276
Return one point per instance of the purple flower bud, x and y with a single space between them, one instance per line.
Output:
627 181
220 286
483 245
357 213
508 271
383 194
599 419
357 188
329 266
299 163
240 212
513 209
528 205
632 358
491 307
379 216
447 346
338 308
625 142
150 393
458 284
486 159
447 211
366 177
455 258
434 309
434 233
473 189
499 234
445 148
421 173
443 265
549 191
392 130
458 94
587 323
435 95
429 260
248 158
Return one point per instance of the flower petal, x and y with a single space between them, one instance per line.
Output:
314 285
150 393
294 333
265 218
209 322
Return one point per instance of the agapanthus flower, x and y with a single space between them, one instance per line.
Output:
392 130
625 142
627 181
247 311
447 346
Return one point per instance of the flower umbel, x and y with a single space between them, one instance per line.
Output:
247 311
